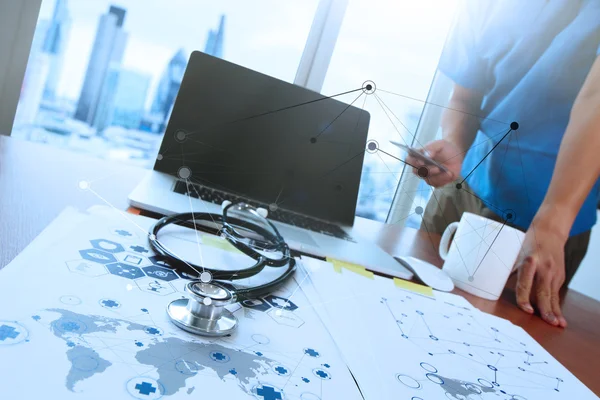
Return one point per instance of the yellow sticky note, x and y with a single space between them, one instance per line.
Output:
219 243
357 269
414 287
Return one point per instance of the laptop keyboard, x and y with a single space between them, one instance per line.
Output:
300 221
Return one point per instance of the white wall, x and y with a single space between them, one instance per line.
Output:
17 25
587 278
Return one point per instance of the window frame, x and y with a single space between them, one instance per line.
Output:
427 128
320 44
18 21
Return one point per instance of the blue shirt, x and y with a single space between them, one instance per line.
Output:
529 58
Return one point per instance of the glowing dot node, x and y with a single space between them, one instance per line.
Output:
84 185
207 301
184 172
369 87
180 136
372 146
205 277
159 157
273 207
423 171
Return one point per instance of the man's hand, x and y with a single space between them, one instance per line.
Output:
542 272
444 152
577 168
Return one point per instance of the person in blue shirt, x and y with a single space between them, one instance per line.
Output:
527 80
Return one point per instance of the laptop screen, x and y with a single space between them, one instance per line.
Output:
258 137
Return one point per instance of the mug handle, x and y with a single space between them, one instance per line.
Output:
445 241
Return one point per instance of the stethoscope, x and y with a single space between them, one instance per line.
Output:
212 289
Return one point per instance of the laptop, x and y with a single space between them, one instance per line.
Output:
236 134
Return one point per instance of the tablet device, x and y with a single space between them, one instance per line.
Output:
411 151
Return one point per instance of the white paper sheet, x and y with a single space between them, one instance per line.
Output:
83 316
403 346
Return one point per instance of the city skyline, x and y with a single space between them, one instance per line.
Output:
109 47
156 33
98 99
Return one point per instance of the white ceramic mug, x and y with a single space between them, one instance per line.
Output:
479 254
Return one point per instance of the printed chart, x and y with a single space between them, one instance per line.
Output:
403 345
97 327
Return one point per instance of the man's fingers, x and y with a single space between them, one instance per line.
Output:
525 283
433 170
433 148
543 295
415 163
555 300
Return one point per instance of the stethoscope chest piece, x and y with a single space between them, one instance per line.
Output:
204 312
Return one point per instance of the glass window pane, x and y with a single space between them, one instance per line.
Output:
102 78
396 45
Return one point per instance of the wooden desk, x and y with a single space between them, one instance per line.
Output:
38 181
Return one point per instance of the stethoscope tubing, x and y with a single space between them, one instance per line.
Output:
273 242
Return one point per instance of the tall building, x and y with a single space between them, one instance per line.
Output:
122 98
108 49
169 85
214 41
55 44
170 81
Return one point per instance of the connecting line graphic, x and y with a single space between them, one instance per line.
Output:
314 139
444 107
382 104
369 88
298 285
447 223
390 189
490 205
124 215
187 183
500 378
299 105
471 276
293 371
280 109
396 158
513 126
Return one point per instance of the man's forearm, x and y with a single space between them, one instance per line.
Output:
459 121
578 163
